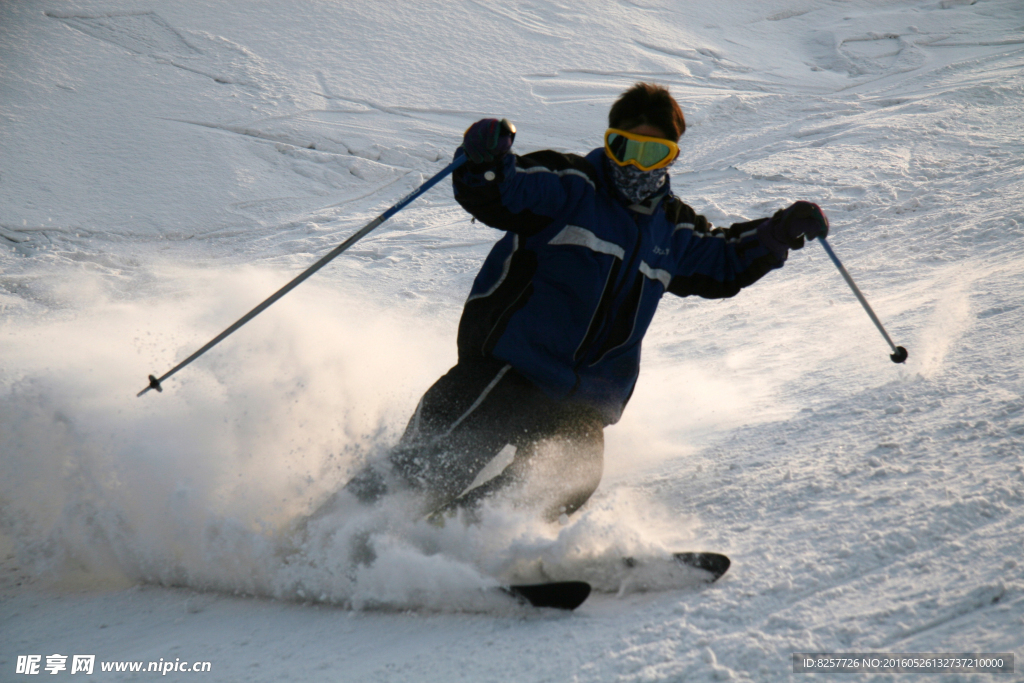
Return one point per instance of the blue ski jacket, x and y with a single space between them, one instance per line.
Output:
567 294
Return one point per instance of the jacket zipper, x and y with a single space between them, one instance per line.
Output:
609 316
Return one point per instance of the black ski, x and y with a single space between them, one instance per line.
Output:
569 595
566 595
713 563
679 570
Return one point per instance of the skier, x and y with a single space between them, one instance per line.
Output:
549 340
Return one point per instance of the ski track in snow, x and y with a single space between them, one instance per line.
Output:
166 169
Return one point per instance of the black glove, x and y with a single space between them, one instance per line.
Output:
788 227
802 219
488 140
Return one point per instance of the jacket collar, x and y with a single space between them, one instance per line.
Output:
649 205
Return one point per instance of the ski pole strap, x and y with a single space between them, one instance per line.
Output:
899 354
155 382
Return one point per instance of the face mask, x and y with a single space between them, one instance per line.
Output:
638 185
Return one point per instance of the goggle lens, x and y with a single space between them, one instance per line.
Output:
644 152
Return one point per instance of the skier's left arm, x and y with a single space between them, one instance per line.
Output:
718 262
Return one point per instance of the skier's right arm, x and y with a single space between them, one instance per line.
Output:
520 194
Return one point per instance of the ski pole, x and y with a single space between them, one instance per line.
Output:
899 354
155 382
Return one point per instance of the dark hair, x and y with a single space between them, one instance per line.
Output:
650 104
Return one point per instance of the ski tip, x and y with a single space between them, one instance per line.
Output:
567 595
715 564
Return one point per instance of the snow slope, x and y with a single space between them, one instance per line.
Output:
165 166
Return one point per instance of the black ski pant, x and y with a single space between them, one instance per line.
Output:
471 414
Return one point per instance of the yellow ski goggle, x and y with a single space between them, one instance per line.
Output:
646 153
